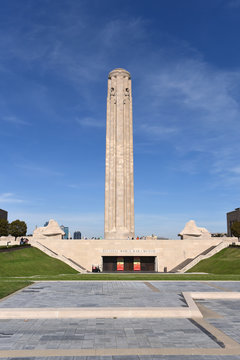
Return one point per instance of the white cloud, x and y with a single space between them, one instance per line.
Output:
14 120
90 122
233 4
74 186
235 170
195 108
152 192
192 85
119 30
85 184
159 130
9 198
39 170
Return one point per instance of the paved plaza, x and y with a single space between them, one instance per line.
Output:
215 334
100 294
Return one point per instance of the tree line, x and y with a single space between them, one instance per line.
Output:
15 228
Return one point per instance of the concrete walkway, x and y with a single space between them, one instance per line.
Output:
122 320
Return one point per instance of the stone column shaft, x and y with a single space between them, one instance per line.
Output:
119 196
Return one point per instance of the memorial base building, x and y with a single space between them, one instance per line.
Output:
131 255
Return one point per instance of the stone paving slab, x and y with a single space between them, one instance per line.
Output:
93 294
119 339
229 285
103 312
101 333
230 321
184 286
153 357
100 294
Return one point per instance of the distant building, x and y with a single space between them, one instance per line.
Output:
232 217
3 214
66 230
77 235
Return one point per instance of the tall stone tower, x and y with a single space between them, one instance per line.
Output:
119 196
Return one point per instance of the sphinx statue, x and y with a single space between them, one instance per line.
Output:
191 230
51 230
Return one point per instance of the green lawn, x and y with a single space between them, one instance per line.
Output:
22 267
227 261
8 287
140 277
30 262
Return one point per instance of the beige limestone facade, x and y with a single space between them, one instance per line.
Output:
119 196
167 253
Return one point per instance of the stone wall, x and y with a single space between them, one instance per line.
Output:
169 253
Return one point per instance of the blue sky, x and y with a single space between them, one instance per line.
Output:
184 56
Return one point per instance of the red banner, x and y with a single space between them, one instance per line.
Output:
120 264
136 264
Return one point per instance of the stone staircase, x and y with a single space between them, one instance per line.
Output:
74 262
180 266
189 263
62 258
183 264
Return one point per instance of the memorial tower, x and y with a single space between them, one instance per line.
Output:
119 196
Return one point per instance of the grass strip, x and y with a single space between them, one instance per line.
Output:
226 261
129 277
9 287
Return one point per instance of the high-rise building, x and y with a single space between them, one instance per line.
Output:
119 196
3 214
77 235
66 230
232 217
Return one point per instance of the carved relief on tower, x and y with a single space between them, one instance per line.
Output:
112 94
126 93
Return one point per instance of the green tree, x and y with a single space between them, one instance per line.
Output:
236 229
3 227
17 228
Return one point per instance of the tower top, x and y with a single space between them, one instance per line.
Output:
119 71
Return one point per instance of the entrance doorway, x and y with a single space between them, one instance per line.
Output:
109 263
147 263
129 263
